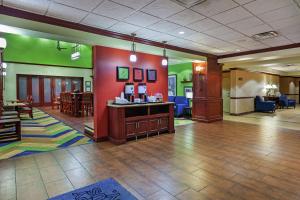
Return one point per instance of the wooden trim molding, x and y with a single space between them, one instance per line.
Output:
290 46
242 97
244 113
49 65
4 10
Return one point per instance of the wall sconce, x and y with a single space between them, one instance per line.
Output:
200 69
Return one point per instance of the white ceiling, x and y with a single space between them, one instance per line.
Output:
283 62
215 26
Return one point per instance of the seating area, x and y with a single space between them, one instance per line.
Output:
76 104
262 105
181 103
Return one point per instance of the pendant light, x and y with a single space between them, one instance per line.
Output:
164 61
133 57
2 43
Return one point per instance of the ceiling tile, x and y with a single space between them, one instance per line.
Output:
185 17
164 26
87 5
289 30
292 21
125 28
230 36
262 6
66 13
232 15
146 33
277 41
220 30
213 7
113 10
281 13
245 23
135 4
198 37
257 29
98 21
39 7
242 2
163 37
204 25
187 32
141 19
162 8
294 37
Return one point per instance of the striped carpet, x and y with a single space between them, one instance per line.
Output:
40 134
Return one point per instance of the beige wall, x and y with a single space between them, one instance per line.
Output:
245 86
14 69
290 87
226 91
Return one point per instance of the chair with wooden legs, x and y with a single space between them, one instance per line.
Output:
27 109
87 104
56 103
69 105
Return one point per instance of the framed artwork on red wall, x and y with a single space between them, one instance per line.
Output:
122 73
151 75
138 74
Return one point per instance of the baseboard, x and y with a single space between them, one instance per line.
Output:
210 120
244 113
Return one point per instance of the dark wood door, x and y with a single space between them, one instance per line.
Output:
154 125
45 89
142 127
131 128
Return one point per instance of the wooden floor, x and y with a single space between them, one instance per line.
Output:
223 160
74 122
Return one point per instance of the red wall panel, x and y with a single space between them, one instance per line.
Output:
106 86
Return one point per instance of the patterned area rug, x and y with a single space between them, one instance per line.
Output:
40 134
108 189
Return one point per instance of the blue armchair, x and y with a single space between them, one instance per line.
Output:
285 102
264 106
181 102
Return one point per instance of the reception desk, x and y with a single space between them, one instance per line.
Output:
132 121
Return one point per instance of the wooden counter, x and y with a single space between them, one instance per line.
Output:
131 121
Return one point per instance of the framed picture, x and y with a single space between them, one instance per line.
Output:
88 86
151 75
172 85
188 92
122 73
138 74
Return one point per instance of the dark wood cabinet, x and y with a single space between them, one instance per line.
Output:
129 121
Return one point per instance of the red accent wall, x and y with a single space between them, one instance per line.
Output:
106 86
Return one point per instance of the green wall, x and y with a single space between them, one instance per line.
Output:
26 49
182 71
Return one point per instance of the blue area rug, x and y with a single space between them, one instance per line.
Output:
108 189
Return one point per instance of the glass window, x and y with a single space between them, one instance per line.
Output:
47 90
22 88
68 85
36 89
57 87
77 84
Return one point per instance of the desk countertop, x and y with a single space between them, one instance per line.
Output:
137 105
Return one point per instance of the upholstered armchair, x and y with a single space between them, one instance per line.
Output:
286 103
264 106
181 102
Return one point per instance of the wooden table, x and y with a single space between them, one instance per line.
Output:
15 106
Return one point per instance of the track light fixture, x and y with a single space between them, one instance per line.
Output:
164 61
133 57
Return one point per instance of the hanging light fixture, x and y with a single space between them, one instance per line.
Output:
133 57
164 61
3 43
76 52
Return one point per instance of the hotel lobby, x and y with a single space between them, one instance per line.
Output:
149 99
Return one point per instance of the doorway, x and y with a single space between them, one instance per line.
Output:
45 89
226 94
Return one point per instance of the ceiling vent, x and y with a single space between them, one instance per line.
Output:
189 3
265 35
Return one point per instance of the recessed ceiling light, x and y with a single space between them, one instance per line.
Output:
238 50
181 32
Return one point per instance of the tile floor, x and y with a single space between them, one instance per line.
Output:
222 160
